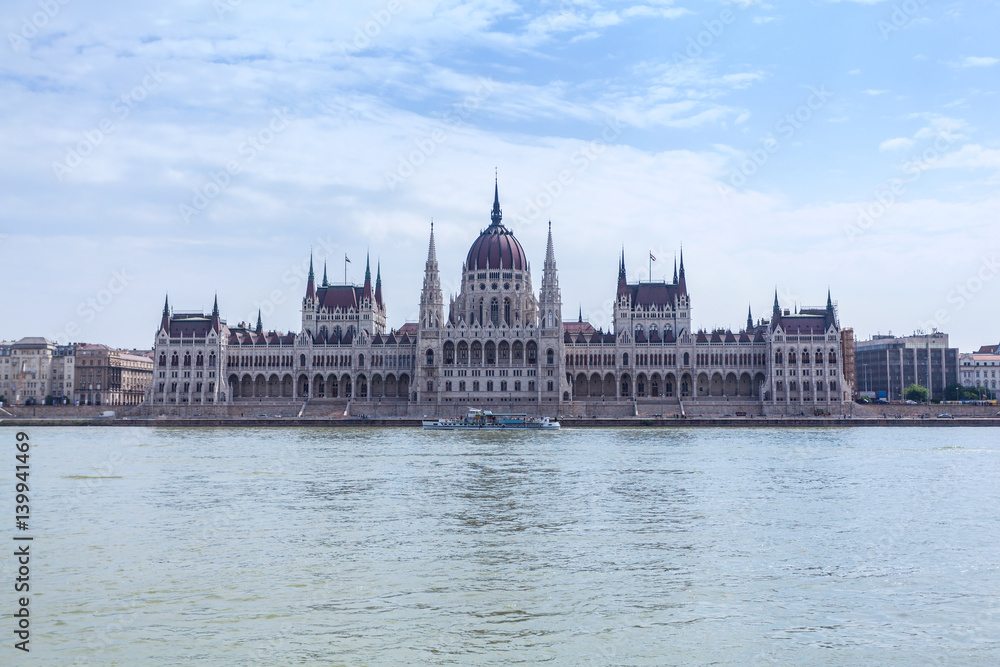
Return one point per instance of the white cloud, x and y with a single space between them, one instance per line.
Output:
973 61
898 144
970 156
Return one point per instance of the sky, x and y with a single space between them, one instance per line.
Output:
207 147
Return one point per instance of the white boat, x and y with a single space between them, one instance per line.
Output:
484 420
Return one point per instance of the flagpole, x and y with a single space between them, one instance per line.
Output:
345 269
651 266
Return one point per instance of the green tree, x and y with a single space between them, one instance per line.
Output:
915 393
956 392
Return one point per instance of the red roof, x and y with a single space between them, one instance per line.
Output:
496 248
654 294
344 297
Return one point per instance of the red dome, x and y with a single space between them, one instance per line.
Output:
496 247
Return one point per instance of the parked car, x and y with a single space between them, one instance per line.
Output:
945 415
909 402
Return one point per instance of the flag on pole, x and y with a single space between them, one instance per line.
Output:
652 257
346 258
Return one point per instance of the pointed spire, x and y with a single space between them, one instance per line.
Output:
682 282
675 269
431 249
749 319
496 216
366 291
260 323
580 318
550 255
378 283
165 320
326 283
311 283
216 322
622 279
829 300
777 306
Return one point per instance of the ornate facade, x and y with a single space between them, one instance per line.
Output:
502 344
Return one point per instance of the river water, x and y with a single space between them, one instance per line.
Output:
166 546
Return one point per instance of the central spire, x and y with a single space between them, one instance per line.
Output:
496 216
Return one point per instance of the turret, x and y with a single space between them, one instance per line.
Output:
550 298
431 301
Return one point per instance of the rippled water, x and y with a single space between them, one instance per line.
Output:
606 547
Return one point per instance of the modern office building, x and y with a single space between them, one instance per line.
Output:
888 364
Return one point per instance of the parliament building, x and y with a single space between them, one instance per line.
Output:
499 344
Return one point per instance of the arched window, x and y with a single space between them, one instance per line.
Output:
532 352
506 312
430 357
687 359
199 360
163 358
449 353
549 319
174 360
638 329
480 318
550 356
463 352
495 312
778 359
625 359
833 356
187 358
302 360
211 359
